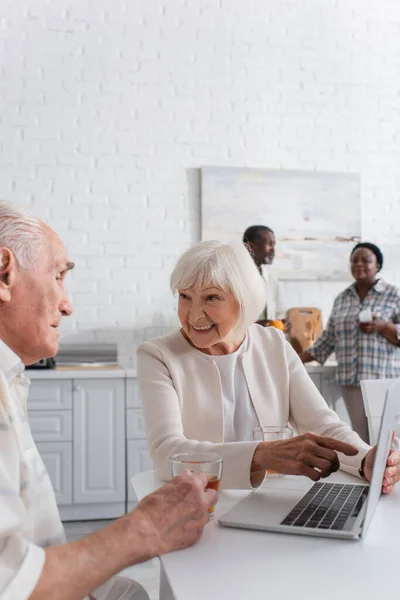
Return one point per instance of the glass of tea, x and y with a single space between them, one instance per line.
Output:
208 463
272 433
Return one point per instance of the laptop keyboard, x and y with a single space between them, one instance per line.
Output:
328 506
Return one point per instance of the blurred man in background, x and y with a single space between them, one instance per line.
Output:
261 241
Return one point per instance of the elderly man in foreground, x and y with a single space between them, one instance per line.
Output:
35 561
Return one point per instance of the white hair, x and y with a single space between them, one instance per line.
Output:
21 232
228 267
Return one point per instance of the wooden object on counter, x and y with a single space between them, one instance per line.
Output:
306 327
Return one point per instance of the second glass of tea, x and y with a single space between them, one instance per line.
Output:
272 433
208 463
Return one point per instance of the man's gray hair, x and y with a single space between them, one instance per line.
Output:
21 232
228 267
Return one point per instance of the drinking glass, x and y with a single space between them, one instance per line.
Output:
208 463
272 433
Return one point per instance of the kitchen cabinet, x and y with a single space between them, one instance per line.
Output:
316 378
49 394
138 457
57 457
99 443
79 428
51 425
333 396
324 378
50 418
138 460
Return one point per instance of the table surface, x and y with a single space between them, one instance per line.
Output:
238 564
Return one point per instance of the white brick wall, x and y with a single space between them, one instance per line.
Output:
108 107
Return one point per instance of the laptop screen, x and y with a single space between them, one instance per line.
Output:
388 422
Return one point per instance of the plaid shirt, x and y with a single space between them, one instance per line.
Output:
360 355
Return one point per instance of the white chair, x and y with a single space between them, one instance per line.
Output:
374 394
145 483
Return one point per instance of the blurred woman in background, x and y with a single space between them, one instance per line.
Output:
364 332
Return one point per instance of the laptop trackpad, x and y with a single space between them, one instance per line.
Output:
268 505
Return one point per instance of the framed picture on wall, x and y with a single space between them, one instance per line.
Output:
316 216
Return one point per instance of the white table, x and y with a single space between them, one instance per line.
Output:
234 564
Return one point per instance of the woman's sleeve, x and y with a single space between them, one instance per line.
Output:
325 345
310 413
396 316
164 426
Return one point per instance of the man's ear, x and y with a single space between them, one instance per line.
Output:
8 267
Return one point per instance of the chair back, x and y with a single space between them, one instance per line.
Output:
145 483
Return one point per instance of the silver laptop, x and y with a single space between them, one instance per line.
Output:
326 508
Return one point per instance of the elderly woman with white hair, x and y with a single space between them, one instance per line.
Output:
206 386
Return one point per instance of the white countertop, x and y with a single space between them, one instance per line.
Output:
314 367
115 372
131 373
72 372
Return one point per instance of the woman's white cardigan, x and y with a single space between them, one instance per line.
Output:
182 400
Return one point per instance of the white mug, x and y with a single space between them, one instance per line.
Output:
365 315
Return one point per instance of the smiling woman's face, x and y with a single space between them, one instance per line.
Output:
208 317
364 266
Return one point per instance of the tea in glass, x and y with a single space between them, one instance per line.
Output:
208 463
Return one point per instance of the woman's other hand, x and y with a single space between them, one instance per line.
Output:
374 326
386 329
312 455
392 471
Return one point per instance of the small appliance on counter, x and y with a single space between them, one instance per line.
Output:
81 356
87 355
44 363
